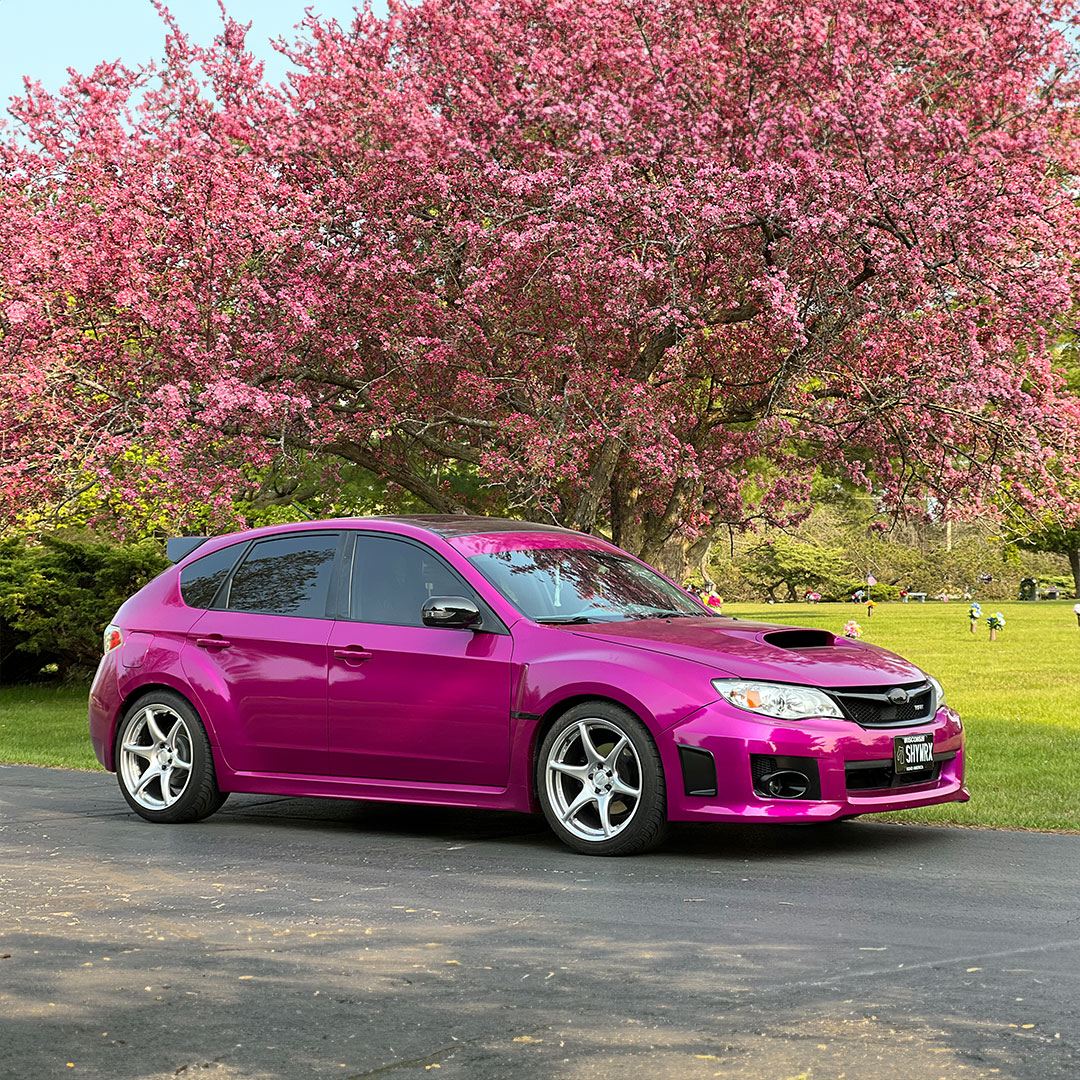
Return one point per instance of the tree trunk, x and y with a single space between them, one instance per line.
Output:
697 554
671 557
625 528
588 509
1074 564
677 557
654 536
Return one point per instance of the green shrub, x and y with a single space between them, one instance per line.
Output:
782 563
878 592
57 597
1062 582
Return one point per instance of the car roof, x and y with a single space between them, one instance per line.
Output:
447 525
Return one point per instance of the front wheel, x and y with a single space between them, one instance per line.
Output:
601 781
163 760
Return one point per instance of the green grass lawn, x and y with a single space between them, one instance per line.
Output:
45 724
1019 697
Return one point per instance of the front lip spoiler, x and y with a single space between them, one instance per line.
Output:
799 812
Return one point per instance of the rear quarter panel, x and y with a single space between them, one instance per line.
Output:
155 622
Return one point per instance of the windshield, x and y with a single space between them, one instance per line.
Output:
556 585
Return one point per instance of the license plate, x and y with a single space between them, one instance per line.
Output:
913 753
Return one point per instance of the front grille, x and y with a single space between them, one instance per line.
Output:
870 706
878 775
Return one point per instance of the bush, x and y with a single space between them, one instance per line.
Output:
1061 582
878 592
793 566
56 599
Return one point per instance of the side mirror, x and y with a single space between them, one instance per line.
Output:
455 612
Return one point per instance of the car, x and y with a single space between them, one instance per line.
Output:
476 662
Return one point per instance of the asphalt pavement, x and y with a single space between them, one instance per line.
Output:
302 938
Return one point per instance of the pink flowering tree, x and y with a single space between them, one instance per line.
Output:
639 270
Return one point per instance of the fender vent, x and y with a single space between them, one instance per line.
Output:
699 771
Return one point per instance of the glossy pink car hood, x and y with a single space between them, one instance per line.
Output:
734 647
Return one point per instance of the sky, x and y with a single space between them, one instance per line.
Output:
43 38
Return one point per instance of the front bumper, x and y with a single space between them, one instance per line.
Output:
853 766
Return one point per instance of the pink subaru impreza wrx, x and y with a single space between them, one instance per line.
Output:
477 662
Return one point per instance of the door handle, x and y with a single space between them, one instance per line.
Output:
352 655
214 641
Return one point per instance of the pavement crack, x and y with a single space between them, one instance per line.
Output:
425 1059
927 965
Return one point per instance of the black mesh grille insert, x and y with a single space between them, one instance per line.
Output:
876 775
761 765
887 706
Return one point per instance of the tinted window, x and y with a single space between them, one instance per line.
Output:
200 580
391 580
289 575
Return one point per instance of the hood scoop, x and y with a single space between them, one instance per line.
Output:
798 638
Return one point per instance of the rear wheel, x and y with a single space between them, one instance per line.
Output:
601 781
163 760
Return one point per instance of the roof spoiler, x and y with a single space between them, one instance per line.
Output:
177 547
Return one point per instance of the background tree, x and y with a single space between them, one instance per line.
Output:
1056 533
633 270
795 566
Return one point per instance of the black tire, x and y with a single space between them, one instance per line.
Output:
600 781
163 760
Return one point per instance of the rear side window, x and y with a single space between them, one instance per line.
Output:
200 580
288 575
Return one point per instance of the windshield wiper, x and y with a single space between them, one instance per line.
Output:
664 613
659 613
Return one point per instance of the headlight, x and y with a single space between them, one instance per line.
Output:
778 700
939 691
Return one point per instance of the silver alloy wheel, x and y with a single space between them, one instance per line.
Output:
593 778
156 756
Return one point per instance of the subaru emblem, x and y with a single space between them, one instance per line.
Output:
897 696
